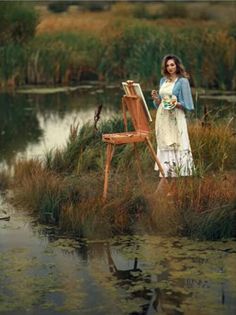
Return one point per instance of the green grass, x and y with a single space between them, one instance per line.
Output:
125 49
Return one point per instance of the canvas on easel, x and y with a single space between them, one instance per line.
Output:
131 88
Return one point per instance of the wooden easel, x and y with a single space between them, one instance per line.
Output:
134 105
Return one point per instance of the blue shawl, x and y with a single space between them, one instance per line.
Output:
182 91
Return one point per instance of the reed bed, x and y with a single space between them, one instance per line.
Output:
65 51
66 187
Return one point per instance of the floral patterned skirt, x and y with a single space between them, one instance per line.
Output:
173 146
175 163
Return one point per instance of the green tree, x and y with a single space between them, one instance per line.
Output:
18 22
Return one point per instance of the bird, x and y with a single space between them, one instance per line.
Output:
97 115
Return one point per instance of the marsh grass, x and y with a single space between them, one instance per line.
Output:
213 146
216 224
200 208
67 50
38 189
66 188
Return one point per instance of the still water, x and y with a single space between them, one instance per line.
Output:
45 273
34 121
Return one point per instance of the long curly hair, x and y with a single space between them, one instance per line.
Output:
180 70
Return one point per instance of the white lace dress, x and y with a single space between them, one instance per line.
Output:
173 146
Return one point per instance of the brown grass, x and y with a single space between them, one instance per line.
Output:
213 146
204 194
185 198
76 20
34 184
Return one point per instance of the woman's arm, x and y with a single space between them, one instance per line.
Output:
185 96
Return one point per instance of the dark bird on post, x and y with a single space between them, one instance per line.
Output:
97 116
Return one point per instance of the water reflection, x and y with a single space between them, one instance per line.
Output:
19 126
32 123
45 272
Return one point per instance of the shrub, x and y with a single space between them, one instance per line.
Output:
18 22
58 6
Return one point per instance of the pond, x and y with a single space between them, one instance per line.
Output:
45 273
33 121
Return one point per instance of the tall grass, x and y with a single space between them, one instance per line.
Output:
200 208
142 45
12 64
38 190
213 147
124 48
62 58
67 186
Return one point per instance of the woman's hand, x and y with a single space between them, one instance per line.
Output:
155 96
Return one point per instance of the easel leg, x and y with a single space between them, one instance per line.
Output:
155 157
109 154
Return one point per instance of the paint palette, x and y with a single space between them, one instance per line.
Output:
169 102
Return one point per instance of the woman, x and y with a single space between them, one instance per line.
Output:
174 98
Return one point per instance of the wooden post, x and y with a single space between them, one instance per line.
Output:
109 154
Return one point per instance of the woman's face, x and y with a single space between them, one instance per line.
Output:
171 66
